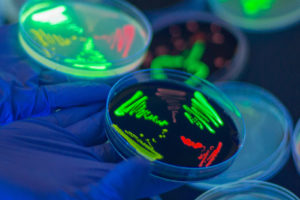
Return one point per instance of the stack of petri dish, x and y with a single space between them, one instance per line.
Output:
84 38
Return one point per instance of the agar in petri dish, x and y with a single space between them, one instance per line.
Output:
96 40
197 44
172 123
175 124
258 15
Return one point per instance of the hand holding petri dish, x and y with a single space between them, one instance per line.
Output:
183 124
85 39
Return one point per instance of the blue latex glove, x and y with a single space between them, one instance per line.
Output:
65 155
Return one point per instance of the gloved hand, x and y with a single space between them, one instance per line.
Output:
65 155
22 91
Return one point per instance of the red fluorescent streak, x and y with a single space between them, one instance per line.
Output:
122 39
214 154
207 157
188 142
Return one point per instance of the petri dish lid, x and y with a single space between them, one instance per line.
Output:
223 48
296 146
268 127
85 38
248 190
258 15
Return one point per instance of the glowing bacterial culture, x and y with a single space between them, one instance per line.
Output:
200 48
84 39
174 123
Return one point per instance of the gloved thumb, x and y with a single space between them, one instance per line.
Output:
124 182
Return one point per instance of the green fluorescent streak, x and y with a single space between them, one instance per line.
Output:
52 16
202 113
253 7
137 106
89 58
145 149
191 63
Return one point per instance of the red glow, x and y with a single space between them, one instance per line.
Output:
122 39
188 142
207 156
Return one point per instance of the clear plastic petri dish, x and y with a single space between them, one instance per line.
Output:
197 43
248 190
258 15
90 39
268 126
296 146
183 124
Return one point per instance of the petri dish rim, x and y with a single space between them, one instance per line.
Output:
239 60
296 155
120 63
284 145
274 23
244 186
158 163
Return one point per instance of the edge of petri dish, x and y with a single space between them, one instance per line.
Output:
262 25
284 144
296 154
246 186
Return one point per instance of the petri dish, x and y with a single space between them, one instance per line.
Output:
197 43
268 126
248 190
87 39
183 124
258 15
296 146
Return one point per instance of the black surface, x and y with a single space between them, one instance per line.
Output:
274 64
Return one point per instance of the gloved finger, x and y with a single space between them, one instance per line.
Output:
124 182
69 116
106 153
71 94
90 131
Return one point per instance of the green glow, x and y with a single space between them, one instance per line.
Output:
52 16
137 106
146 150
190 63
253 7
89 58
201 113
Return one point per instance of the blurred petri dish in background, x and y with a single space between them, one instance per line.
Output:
258 15
157 117
248 190
296 146
197 43
268 127
85 39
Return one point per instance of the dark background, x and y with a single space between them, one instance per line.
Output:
274 64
